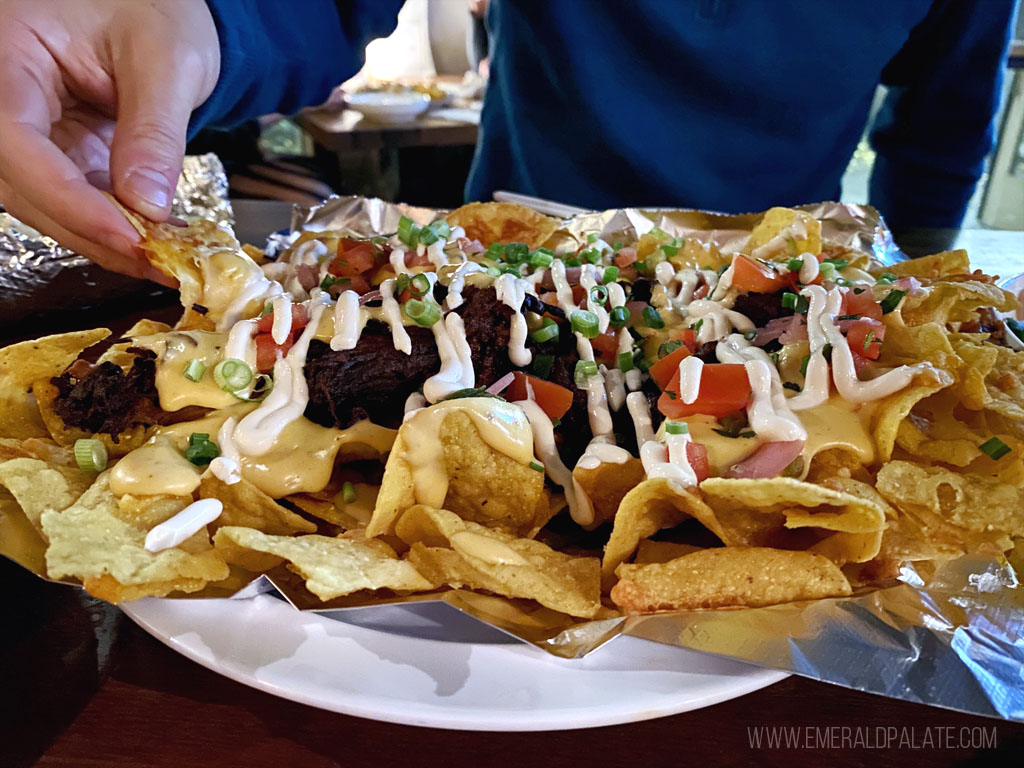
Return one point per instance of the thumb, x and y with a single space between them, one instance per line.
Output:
154 99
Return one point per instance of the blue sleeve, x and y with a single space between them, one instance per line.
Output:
281 56
936 126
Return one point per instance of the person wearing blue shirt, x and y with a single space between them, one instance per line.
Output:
730 105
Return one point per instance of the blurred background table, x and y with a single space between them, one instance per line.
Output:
82 685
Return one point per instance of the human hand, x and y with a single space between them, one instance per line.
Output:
97 96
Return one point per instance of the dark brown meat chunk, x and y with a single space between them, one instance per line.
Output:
761 308
108 399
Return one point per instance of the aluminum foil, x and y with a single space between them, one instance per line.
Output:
952 638
37 276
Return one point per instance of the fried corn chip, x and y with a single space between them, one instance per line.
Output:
119 355
607 484
933 432
651 551
892 412
40 487
44 449
645 510
449 550
331 507
974 503
786 230
935 266
27 362
46 394
442 457
246 506
956 301
791 514
503 223
727 577
95 541
332 567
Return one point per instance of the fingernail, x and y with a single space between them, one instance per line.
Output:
176 222
100 180
150 186
121 244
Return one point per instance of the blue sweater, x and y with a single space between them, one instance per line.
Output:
731 105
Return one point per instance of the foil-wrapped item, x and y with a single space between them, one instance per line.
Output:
949 637
38 276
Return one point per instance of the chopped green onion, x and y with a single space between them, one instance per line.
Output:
584 321
494 252
443 229
828 272
843 282
697 326
348 493
826 352
408 232
493 271
459 394
794 265
194 370
886 278
419 285
584 370
611 274
625 361
652 318
428 235
750 335
542 365
618 317
516 253
858 291
677 427
267 309
592 238
721 270
401 284
618 245
541 258
1015 326
837 263
659 233
201 449
556 422
536 467
795 302
327 283
546 332
669 250
599 294
994 448
590 255
803 364
422 312
891 301
90 454
642 362
232 374
668 348
868 339
572 261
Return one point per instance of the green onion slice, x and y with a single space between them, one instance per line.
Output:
994 448
677 427
618 317
625 361
541 258
194 370
537 467
542 365
422 313
546 332
669 347
868 339
891 301
348 493
585 322
232 374
90 454
652 318
599 294
611 274
201 449
584 370
408 232
419 285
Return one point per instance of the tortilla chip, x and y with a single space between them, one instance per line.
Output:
935 266
799 231
43 449
119 354
331 566
645 510
246 506
727 577
651 551
40 487
452 551
46 394
93 539
784 513
957 301
607 484
483 484
503 223
27 362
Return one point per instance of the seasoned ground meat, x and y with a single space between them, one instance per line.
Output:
761 308
107 399
707 352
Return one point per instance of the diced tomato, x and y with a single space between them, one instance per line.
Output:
859 362
625 256
724 388
354 257
663 370
697 455
553 399
579 294
606 345
267 351
686 335
299 319
857 336
753 277
359 284
701 291
862 304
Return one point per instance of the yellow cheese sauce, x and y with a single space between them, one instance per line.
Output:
156 468
175 350
501 425
485 548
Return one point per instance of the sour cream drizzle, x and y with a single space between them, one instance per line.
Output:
349 320
183 525
690 370
282 325
511 290
393 317
580 508
456 359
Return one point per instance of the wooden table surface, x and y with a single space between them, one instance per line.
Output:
82 685
346 130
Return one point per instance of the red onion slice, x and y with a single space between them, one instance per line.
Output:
501 384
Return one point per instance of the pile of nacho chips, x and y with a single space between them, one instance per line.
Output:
929 492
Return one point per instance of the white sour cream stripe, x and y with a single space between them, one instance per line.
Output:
392 312
511 291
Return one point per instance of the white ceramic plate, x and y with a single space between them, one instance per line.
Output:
389 107
430 665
